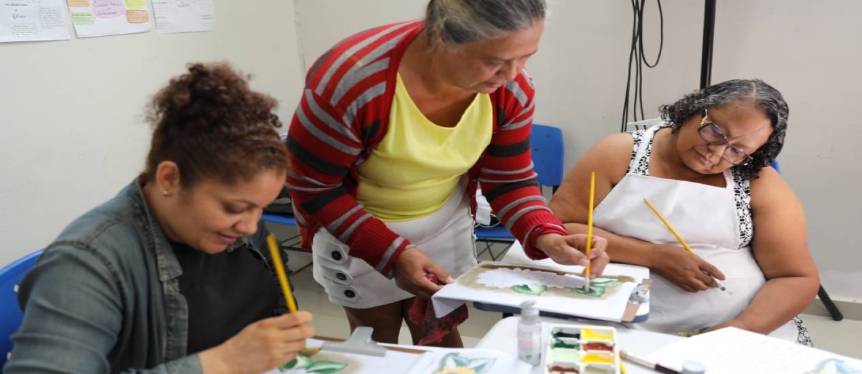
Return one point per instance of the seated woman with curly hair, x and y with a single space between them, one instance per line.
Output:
170 276
707 171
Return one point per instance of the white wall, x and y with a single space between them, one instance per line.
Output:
811 52
808 50
72 135
70 111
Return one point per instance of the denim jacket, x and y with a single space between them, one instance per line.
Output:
105 297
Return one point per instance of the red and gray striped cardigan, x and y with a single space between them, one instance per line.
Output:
343 114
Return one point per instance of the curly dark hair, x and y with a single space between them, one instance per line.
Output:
213 126
764 97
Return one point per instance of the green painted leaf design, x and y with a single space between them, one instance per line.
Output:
300 362
603 282
534 290
460 361
481 365
328 367
595 291
449 361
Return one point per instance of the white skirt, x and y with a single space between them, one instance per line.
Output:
446 236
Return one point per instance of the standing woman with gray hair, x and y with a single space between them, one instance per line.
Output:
396 128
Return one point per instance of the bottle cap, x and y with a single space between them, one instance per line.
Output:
529 313
693 367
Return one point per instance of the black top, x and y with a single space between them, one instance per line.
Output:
225 293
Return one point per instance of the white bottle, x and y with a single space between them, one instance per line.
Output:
693 367
530 334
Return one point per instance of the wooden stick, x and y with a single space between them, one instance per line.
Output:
590 231
279 270
679 238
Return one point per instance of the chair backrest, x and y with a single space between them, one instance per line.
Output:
548 154
10 313
645 124
775 166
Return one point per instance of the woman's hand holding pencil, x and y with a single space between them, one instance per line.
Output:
568 250
564 250
688 270
265 344
684 269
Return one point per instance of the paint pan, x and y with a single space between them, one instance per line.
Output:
580 350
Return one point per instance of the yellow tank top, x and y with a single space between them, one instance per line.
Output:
416 167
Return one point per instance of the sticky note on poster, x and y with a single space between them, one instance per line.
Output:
137 16
136 4
83 19
109 17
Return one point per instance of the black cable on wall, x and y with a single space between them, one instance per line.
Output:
637 57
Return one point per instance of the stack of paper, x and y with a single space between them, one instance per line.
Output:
734 351
404 359
554 290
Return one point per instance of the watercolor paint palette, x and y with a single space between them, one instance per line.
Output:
580 349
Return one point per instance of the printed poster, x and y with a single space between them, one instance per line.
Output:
33 20
174 16
109 17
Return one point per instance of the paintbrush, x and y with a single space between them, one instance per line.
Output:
679 238
279 271
646 363
589 232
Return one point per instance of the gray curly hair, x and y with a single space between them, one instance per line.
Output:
465 21
764 97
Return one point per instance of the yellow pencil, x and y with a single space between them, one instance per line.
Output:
279 270
679 238
590 230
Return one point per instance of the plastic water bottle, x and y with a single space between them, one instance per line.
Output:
530 334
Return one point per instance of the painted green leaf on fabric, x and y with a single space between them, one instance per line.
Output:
603 282
481 365
455 364
300 362
595 291
326 367
304 364
526 289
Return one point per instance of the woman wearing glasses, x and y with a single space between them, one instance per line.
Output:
707 171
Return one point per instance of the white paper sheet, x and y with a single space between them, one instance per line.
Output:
109 17
733 351
173 16
609 308
433 360
476 361
346 363
33 20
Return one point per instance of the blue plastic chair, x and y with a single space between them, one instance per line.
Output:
10 313
548 151
548 155
833 310
292 243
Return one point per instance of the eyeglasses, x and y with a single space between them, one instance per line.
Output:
713 136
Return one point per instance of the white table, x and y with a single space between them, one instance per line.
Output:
503 337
